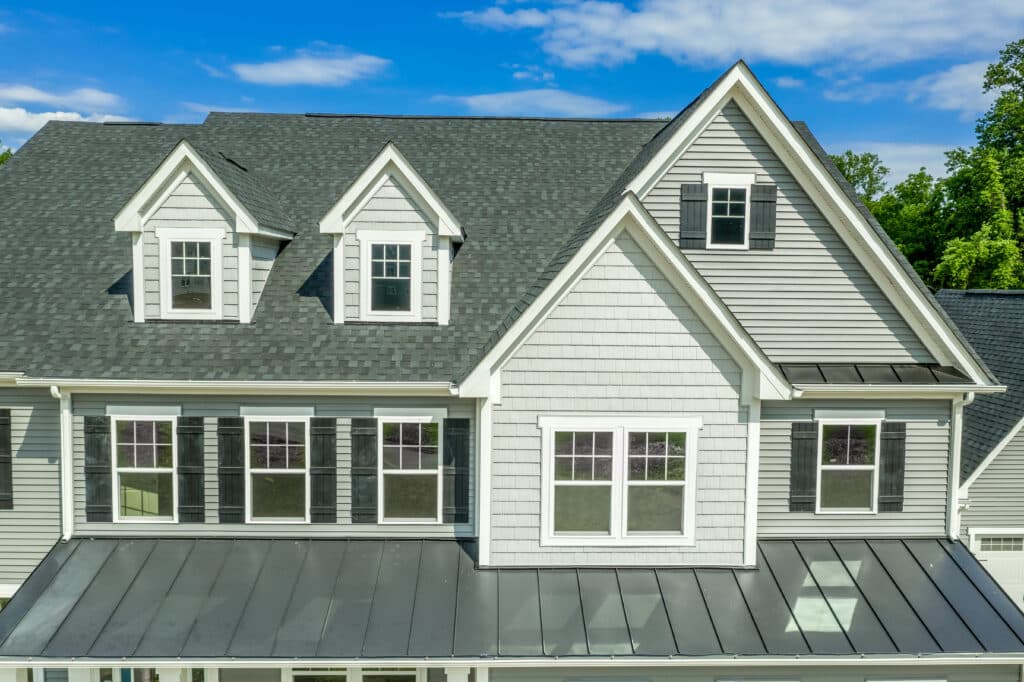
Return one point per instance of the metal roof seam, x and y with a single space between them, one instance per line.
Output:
209 591
707 609
583 612
248 599
291 593
888 574
14 600
625 615
959 565
750 612
455 615
864 595
828 602
664 607
775 581
124 594
373 596
167 593
330 605
99 570
415 596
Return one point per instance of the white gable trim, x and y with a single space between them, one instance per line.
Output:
740 85
761 379
1000 446
390 162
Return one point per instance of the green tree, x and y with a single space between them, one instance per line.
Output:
912 212
864 171
5 154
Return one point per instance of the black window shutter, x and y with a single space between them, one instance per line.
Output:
231 469
762 217
803 466
323 470
455 506
6 462
893 449
191 492
693 216
98 493
364 470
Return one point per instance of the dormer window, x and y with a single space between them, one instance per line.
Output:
191 276
390 278
191 284
391 275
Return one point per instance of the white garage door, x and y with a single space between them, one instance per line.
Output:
1003 557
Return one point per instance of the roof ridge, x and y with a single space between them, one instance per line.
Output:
442 117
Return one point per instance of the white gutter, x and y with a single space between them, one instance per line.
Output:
805 390
408 388
626 661
67 481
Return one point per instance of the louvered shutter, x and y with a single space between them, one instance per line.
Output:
6 462
893 456
803 466
231 469
98 472
693 216
323 470
364 470
191 487
455 486
762 217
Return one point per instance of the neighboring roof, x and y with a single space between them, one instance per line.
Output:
993 321
872 373
341 599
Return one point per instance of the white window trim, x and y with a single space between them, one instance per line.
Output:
620 426
729 181
410 419
249 471
853 421
415 238
115 470
215 237
974 535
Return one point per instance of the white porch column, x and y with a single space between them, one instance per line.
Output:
9 674
482 674
457 673
211 674
169 674
80 675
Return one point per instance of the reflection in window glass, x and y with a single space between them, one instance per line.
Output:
583 476
410 470
847 466
191 276
144 468
391 277
728 216
277 469
657 479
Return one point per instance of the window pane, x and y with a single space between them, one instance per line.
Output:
655 509
392 433
563 468
727 230
146 495
719 194
391 294
190 293
563 442
583 509
846 489
392 457
410 496
862 444
834 444
279 496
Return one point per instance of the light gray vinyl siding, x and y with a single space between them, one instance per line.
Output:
809 298
264 252
211 407
996 498
391 208
623 341
190 205
28 531
925 500
713 673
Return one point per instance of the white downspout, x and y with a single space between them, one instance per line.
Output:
67 467
957 418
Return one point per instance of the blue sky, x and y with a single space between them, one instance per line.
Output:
902 79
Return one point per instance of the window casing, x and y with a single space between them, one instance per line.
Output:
145 460
391 275
619 480
848 453
1001 543
191 273
409 455
277 469
728 210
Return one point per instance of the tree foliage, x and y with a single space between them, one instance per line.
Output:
4 153
965 230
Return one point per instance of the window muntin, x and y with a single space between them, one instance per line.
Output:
848 466
1001 543
728 213
391 278
618 480
191 275
410 473
144 459
278 471
656 481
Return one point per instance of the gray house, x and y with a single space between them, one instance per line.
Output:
398 399
992 462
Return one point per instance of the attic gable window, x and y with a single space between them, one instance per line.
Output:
728 219
191 275
391 277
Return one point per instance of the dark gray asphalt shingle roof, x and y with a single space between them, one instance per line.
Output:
520 187
994 323
391 599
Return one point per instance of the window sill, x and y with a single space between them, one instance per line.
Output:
151 520
384 317
411 522
845 512
277 522
629 541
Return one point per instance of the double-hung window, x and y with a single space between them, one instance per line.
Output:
144 459
391 278
848 465
277 470
728 210
190 273
619 479
410 470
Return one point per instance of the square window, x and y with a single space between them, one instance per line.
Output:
146 495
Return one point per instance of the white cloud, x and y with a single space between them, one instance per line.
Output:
789 82
958 88
200 108
19 120
902 158
210 70
325 65
862 32
531 72
82 98
549 102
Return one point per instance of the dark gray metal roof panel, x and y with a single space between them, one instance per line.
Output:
377 599
872 373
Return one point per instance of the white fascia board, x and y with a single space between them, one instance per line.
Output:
630 215
10 378
1000 446
740 85
926 391
157 386
390 161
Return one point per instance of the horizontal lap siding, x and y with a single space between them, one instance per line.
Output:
807 299
925 501
996 498
264 252
212 407
190 205
392 208
623 341
28 531
803 673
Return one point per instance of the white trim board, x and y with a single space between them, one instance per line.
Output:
1000 446
739 85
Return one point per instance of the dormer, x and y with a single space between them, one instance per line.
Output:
394 240
205 234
